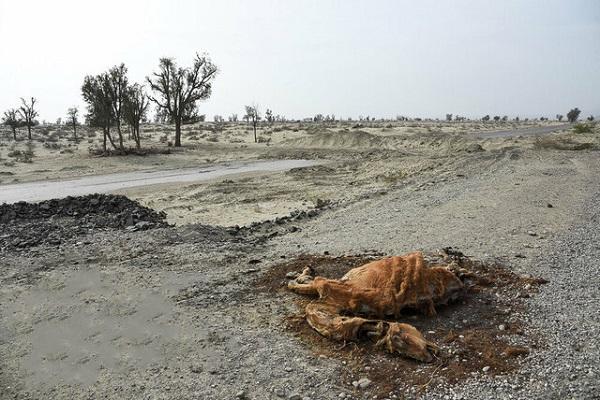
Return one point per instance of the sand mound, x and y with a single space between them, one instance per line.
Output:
328 139
361 140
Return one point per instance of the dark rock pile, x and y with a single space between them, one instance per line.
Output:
24 225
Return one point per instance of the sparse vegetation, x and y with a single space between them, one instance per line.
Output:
135 107
11 119
28 114
23 156
178 89
584 128
558 143
253 116
96 93
573 115
72 116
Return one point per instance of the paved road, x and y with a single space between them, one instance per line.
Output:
538 130
45 190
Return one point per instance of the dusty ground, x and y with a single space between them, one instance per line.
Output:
179 312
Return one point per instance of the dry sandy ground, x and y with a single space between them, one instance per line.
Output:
173 313
394 151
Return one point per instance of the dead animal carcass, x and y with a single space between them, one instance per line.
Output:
378 290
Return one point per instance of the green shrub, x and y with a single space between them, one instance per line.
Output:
584 128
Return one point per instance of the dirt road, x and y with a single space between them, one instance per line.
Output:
37 191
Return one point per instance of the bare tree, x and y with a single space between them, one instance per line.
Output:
179 89
559 117
28 114
11 118
269 116
118 83
135 108
72 116
233 118
253 116
448 117
96 93
573 114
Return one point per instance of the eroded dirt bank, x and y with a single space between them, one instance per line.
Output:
173 312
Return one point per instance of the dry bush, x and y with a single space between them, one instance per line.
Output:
52 145
24 156
98 151
584 128
557 143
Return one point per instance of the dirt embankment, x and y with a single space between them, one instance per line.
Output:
54 221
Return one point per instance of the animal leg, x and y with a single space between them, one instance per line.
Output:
304 283
394 337
325 319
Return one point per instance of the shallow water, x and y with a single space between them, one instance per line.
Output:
45 190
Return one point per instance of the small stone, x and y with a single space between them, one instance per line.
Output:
502 327
196 368
363 383
292 275
240 395
486 368
294 396
531 233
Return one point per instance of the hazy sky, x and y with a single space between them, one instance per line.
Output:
299 58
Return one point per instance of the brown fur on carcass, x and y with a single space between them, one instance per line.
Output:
380 288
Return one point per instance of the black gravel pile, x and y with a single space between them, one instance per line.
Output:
24 225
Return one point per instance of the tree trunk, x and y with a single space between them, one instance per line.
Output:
14 133
137 139
75 131
177 132
104 139
110 139
120 135
29 131
254 126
